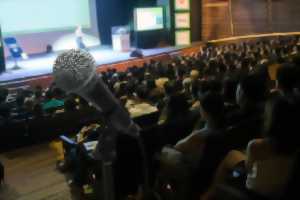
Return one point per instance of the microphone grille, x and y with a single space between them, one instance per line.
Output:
73 69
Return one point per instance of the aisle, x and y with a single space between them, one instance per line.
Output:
31 175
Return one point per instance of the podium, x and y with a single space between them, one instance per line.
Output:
2 58
121 38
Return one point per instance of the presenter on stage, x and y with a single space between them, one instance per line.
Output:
79 38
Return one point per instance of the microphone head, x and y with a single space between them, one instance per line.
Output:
74 69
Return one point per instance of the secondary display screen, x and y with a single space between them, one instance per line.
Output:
35 16
149 19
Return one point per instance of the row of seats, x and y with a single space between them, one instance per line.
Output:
27 131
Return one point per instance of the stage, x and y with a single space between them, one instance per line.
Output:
41 64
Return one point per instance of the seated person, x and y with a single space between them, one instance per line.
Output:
212 112
170 88
37 96
51 101
286 79
86 133
141 105
229 90
177 108
269 161
19 111
70 104
250 97
37 111
191 147
155 93
75 158
180 163
5 108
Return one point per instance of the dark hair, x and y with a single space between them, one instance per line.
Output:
20 99
142 92
3 94
254 87
49 94
70 104
151 84
213 104
286 77
209 86
281 124
58 93
38 110
229 88
178 105
173 87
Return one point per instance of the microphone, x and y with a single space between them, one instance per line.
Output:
75 72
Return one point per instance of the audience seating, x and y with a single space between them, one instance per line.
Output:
130 165
146 121
22 132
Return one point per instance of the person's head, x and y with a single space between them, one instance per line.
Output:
209 86
212 107
122 76
122 91
37 110
151 84
281 124
251 90
194 74
49 95
172 87
131 88
178 105
187 83
3 94
28 105
142 92
38 92
20 99
286 78
296 60
170 72
58 93
229 88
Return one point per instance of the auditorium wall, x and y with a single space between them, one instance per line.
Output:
225 18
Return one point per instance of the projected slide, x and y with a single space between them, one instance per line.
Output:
149 19
34 16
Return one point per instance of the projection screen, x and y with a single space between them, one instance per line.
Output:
33 16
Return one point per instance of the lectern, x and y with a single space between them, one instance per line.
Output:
121 38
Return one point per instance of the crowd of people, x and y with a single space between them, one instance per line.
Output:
245 96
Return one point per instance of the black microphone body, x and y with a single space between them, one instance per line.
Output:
75 72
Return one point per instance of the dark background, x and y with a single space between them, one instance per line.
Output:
120 12
116 12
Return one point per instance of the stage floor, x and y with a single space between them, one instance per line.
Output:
39 65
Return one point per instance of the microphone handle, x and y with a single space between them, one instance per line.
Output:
115 115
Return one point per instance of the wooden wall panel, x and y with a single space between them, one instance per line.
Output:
285 15
215 20
248 17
